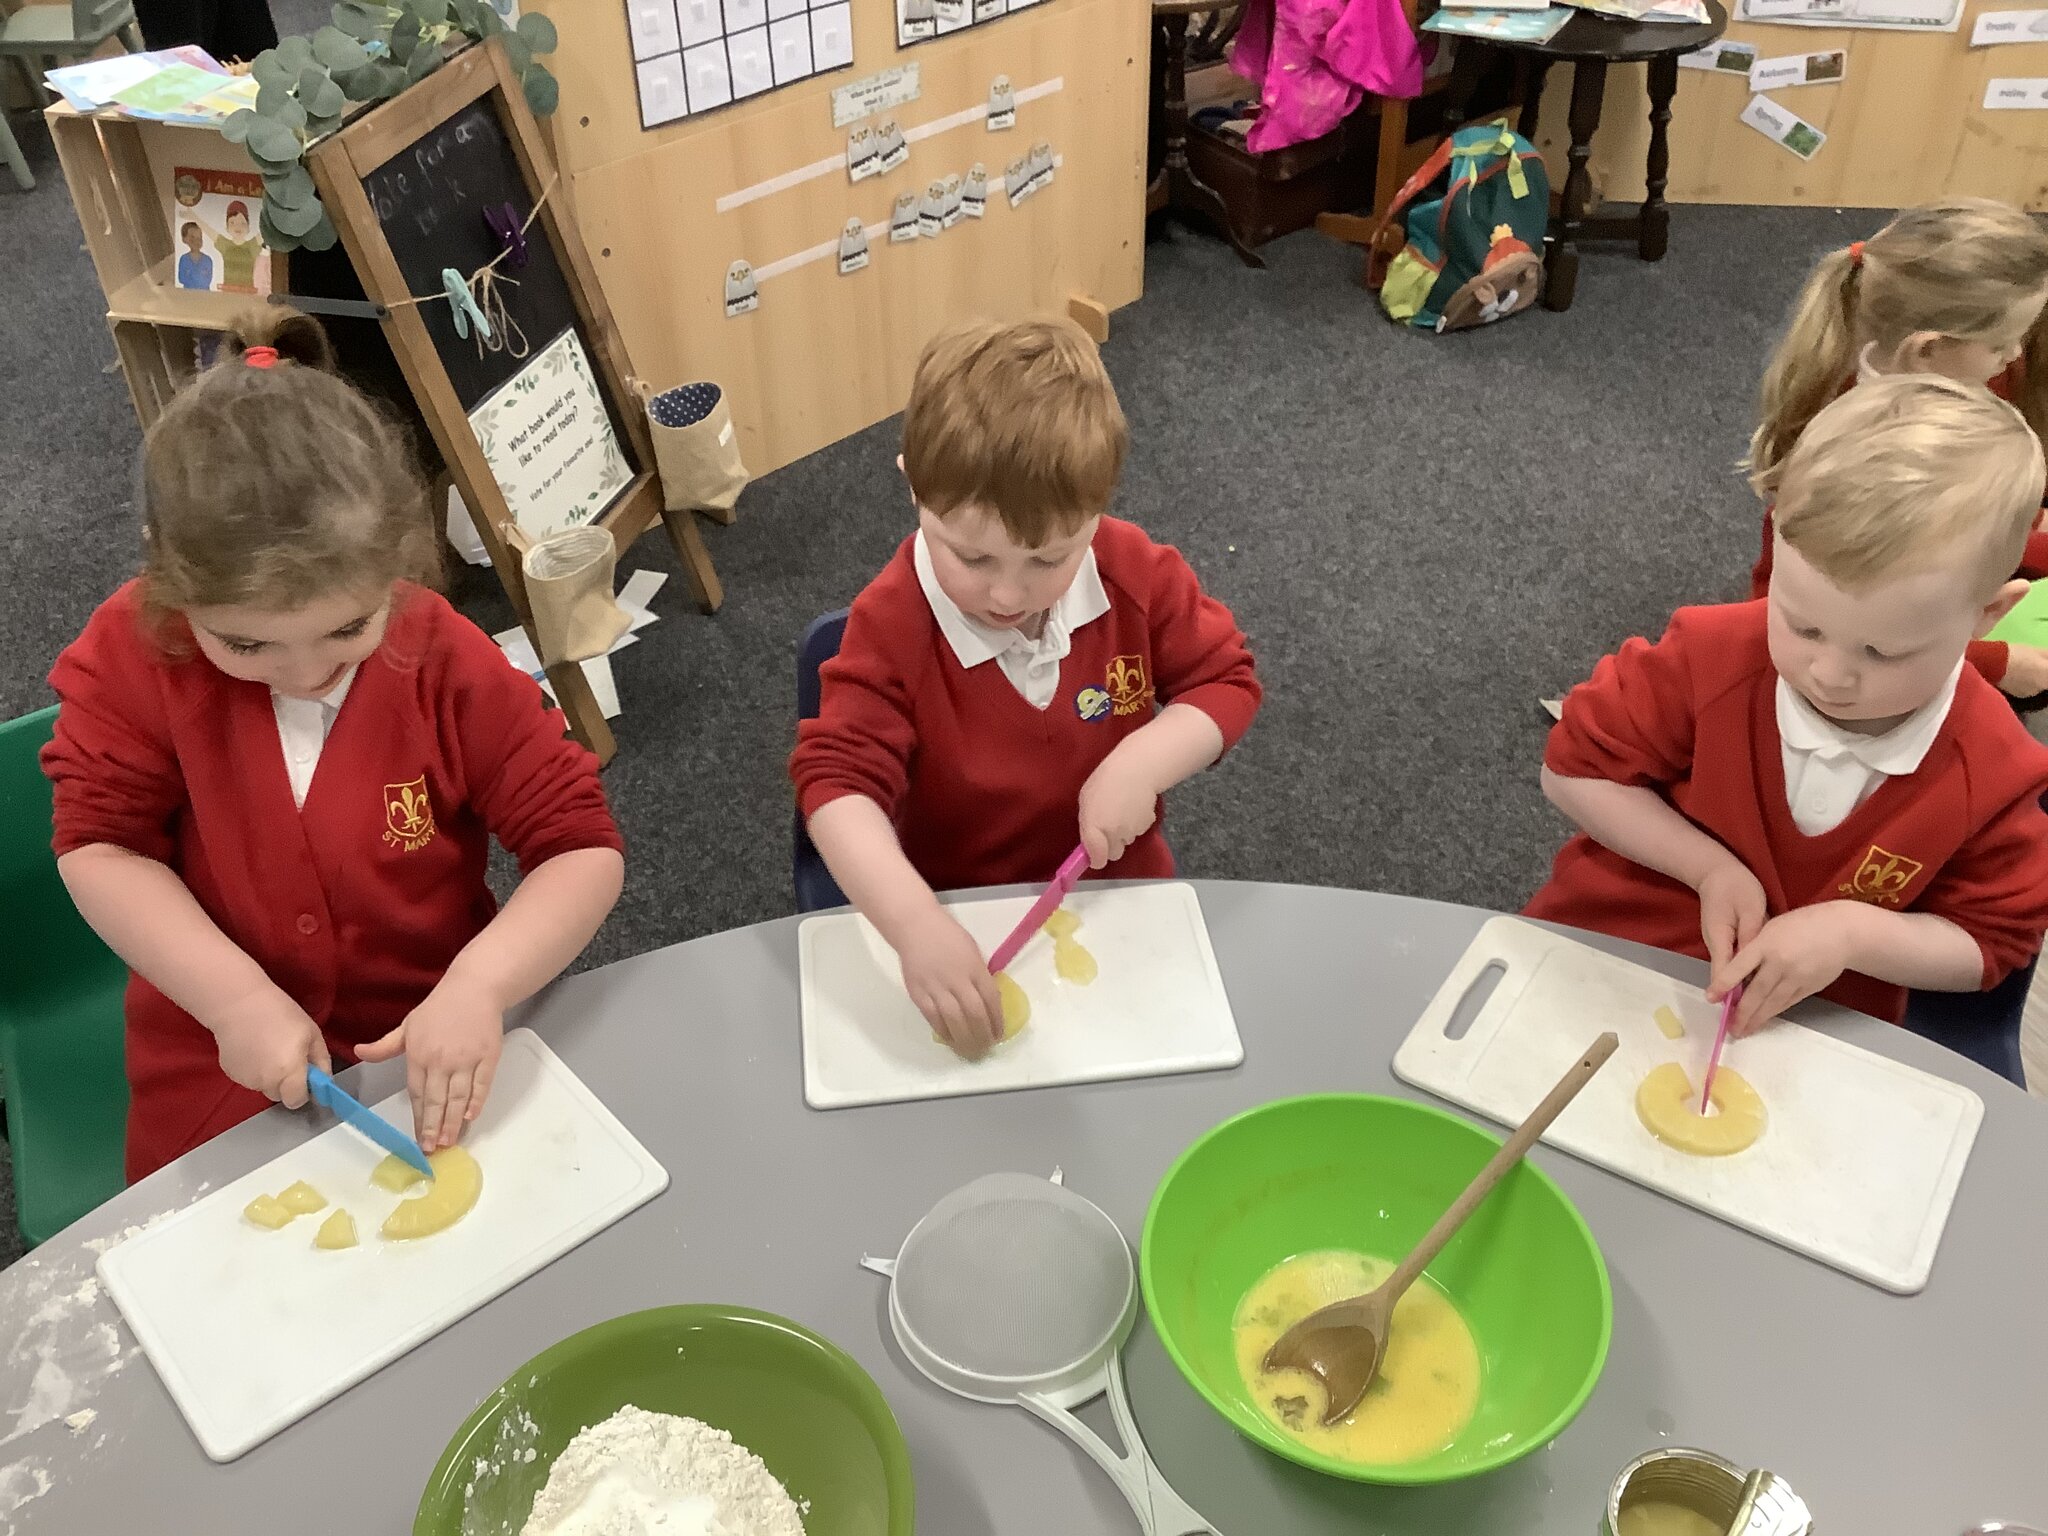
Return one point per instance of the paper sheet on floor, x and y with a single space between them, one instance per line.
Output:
635 597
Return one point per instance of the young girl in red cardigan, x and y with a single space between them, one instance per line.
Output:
1958 289
280 760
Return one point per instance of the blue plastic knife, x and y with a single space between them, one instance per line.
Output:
328 1093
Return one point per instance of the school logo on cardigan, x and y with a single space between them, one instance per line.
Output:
1091 704
1130 690
1882 878
408 815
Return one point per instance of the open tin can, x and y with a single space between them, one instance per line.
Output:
1725 1496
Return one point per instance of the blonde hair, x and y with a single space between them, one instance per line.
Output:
1910 469
272 486
1970 269
1018 417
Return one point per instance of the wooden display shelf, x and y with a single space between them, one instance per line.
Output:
153 298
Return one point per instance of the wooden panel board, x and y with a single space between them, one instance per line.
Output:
1906 125
825 355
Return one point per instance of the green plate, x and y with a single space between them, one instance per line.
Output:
795 1400
1371 1174
2027 624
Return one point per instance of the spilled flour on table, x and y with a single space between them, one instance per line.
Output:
23 1483
657 1474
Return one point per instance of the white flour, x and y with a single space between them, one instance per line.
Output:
656 1474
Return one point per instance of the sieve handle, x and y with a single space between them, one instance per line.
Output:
1160 1511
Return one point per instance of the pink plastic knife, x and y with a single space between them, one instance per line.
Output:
1728 1004
1041 909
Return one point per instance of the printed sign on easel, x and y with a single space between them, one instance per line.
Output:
549 441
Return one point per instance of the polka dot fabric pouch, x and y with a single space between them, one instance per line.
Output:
696 449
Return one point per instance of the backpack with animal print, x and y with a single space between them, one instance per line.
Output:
1461 245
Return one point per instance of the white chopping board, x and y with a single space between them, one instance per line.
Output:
251 1330
1156 1007
1858 1163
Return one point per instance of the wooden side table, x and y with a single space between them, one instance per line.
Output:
1589 44
1177 189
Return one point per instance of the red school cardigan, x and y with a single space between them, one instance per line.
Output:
355 905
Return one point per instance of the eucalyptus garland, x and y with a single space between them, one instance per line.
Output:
305 85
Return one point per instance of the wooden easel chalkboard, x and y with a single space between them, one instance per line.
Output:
407 185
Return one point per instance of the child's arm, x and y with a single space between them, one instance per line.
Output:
538 793
944 970
1640 824
1203 675
451 1041
1120 801
1801 952
149 917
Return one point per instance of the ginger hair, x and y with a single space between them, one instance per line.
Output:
1017 417
271 487
1912 470
1970 269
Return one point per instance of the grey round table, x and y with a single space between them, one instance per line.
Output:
1916 1415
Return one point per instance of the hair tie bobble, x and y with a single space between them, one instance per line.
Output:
260 357
1856 255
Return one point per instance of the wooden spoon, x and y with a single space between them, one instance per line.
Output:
1341 1344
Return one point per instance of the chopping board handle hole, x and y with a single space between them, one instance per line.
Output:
1459 1024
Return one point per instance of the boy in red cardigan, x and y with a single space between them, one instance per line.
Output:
1025 674
1813 792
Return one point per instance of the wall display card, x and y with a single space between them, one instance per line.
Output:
1017 179
691 56
548 438
853 247
2016 95
1723 57
873 93
903 219
863 155
889 140
1910 15
974 192
1002 105
742 290
1040 170
2009 27
919 21
931 213
1786 128
955 199
1799 69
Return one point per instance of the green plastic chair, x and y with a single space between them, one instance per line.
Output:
60 1011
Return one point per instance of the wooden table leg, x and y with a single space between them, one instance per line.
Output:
1654 232
1561 280
1185 191
1534 72
1465 66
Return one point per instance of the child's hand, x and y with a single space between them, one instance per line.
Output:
1794 956
451 1044
947 977
266 1042
2026 671
1118 805
1733 909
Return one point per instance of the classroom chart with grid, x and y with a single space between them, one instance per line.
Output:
691 56
918 21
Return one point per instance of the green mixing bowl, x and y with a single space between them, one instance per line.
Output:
1371 1174
798 1402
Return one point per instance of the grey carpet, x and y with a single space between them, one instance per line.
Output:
1421 535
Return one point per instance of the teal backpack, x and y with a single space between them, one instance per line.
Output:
1462 243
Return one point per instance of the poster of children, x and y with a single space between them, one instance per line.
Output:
213 231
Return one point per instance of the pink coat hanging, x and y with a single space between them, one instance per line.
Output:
1314 60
